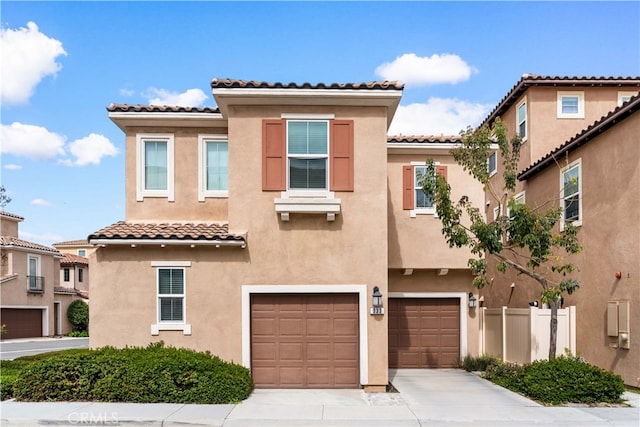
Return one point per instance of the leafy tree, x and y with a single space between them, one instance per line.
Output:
78 315
526 240
4 199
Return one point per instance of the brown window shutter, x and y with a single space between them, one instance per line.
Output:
407 187
442 170
341 151
274 155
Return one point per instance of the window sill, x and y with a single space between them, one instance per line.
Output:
156 328
577 223
429 211
308 202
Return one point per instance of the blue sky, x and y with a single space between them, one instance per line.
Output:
63 63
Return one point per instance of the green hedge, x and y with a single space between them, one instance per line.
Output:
561 380
145 375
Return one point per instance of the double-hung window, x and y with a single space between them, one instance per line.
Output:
82 252
414 198
492 163
522 119
571 194
423 203
571 105
67 275
171 301
155 166
307 154
213 178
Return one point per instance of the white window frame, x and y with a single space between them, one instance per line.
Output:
569 167
82 253
416 210
171 325
141 191
565 94
519 198
496 212
625 94
203 193
495 169
319 191
523 103
38 260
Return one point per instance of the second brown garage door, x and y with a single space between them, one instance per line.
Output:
21 322
305 340
424 333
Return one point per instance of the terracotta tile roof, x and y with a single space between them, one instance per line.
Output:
71 259
605 122
529 80
424 139
8 242
80 242
163 231
11 216
138 108
252 84
64 290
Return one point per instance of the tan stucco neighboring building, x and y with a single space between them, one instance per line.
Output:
33 304
593 144
264 229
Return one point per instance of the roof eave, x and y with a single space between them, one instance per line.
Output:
124 119
166 242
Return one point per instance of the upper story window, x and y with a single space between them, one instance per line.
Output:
154 176
67 274
624 96
421 200
414 198
213 180
571 105
35 281
571 194
307 154
518 199
492 163
522 119
82 252
80 275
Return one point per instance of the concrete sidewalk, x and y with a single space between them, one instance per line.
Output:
425 398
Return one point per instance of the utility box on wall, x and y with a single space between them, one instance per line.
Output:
618 324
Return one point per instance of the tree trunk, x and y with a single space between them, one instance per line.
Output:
553 329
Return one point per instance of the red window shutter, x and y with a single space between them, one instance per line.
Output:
341 150
407 187
442 170
274 155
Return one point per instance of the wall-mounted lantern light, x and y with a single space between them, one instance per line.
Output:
472 300
376 305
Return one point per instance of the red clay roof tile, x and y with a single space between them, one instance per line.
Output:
138 108
233 83
424 139
71 259
9 241
164 231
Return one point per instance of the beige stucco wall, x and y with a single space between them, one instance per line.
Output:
611 243
418 242
8 227
74 277
64 300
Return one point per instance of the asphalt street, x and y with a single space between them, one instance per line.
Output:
12 349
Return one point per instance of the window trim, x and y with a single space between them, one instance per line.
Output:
416 210
66 274
625 94
523 103
203 193
580 113
521 195
38 260
320 191
141 192
80 275
495 169
171 325
563 171
83 254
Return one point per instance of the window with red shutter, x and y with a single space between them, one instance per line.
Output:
274 156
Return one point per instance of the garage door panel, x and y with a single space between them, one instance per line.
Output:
423 332
316 336
22 322
264 327
265 351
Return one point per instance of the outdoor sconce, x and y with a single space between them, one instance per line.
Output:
472 300
376 305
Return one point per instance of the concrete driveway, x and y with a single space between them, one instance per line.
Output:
12 349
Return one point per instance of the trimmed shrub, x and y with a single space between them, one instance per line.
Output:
78 315
145 375
479 363
565 379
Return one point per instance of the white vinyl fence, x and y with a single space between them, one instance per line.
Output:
521 335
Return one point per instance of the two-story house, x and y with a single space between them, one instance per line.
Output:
581 153
33 304
74 267
285 231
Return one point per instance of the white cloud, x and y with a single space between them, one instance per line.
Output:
127 92
13 167
27 57
34 142
438 116
435 69
40 202
44 238
91 149
188 98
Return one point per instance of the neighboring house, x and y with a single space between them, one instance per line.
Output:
32 302
582 153
266 230
74 274
76 247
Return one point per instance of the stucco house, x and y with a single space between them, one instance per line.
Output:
581 153
285 231
33 302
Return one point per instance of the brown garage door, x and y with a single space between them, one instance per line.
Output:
304 340
424 333
21 322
